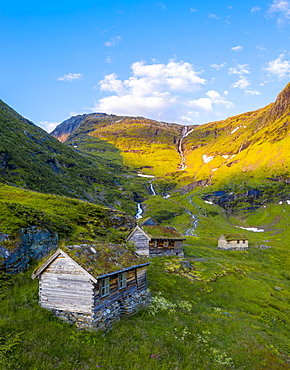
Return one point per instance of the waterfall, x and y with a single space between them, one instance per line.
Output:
152 188
185 131
139 212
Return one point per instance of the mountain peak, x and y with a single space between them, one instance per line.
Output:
281 105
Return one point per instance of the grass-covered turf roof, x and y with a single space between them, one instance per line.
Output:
162 232
231 237
100 259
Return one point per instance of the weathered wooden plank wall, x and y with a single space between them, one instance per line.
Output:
65 287
141 242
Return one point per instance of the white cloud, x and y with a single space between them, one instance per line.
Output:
216 98
237 48
114 41
201 103
70 77
152 89
242 83
218 66
240 69
213 16
186 119
213 98
252 92
278 67
48 126
255 9
111 83
282 8
193 10
161 5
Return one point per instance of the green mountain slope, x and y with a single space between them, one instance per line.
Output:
253 144
144 144
32 159
250 145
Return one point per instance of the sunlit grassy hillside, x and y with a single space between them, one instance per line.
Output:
74 220
253 144
144 144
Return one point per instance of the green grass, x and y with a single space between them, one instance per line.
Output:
234 315
73 219
229 311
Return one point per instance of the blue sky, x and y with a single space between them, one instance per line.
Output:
189 62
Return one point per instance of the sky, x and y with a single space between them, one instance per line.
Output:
188 62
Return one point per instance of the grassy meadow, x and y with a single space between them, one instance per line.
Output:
211 310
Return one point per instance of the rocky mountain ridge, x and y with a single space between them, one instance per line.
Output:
248 145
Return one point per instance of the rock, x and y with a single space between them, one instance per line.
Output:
263 246
185 264
31 243
200 260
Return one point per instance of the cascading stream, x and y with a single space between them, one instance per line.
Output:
152 188
139 212
190 231
139 208
185 132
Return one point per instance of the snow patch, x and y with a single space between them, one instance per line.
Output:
254 229
207 159
141 175
236 129
208 202
214 169
288 201
225 156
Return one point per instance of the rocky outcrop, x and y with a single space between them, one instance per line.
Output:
67 127
32 242
281 105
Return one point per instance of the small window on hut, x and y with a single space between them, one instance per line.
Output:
105 287
155 243
122 280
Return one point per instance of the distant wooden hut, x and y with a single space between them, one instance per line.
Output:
90 288
233 242
149 221
152 240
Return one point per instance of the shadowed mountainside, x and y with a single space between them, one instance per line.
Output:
32 159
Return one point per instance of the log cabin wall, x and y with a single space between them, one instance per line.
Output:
67 291
158 247
141 242
178 248
128 300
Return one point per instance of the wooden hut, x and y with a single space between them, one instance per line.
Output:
233 242
92 288
155 240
